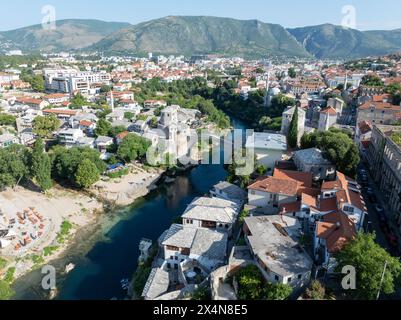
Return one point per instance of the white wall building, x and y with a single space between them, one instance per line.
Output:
268 148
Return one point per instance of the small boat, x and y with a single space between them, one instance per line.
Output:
69 268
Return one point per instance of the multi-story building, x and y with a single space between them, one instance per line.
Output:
378 113
70 137
268 148
384 157
72 80
211 213
273 241
327 119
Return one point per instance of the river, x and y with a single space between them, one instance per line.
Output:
111 253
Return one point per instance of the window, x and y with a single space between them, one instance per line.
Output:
276 278
289 280
253 192
349 209
300 276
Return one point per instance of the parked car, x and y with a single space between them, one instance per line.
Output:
370 191
372 198
369 227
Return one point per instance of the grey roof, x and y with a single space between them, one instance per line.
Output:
212 209
232 191
123 123
274 241
103 139
201 242
270 141
157 284
210 244
311 156
178 236
86 140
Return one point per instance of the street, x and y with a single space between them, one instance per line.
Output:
373 216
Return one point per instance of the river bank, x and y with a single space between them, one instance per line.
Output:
41 228
108 252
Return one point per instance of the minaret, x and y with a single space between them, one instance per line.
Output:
267 90
346 81
112 100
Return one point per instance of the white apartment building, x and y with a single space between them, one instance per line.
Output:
71 80
70 137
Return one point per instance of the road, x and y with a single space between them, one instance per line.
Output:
373 217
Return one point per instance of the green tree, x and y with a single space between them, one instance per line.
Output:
5 290
41 166
66 162
369 260
78 101
292 73
38 83
265 121
129 115
154 122
338 147
103 128
7 120
14 165
45 126
279 104
243 215
132 148
372 80
250 283
316 291
114 131
293 130
277 291
87 174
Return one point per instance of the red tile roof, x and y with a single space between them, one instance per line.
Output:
304 178
330 111
337 229
122 135
276 186
379 106
61 112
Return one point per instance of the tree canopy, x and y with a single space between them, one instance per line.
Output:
87 174
66 163
44 126
41 166
292 73
369 260
252 286
337 146
372 80
293 130
14 165
133 147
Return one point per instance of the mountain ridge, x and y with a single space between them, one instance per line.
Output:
190 35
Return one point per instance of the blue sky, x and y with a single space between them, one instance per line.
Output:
370 14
